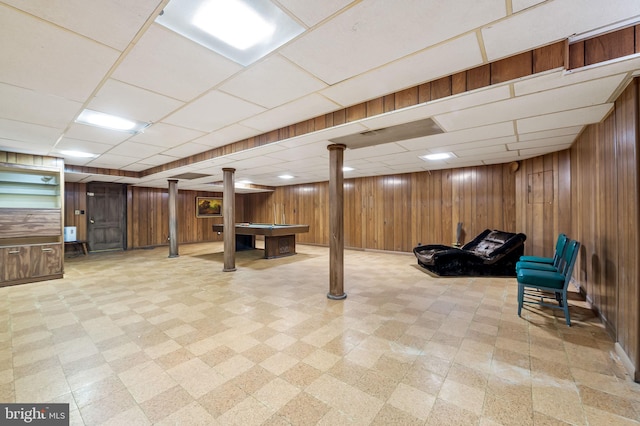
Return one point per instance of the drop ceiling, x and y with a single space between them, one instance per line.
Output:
62 57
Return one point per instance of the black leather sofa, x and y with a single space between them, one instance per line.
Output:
491 253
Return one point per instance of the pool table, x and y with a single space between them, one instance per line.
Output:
279 240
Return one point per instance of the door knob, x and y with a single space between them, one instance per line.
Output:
91 220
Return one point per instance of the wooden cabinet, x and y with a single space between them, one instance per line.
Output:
31 222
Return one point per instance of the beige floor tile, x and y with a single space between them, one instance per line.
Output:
412 401
403 348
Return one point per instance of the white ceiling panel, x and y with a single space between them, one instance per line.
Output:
452 138
541 151
167 63
575 130
272 82
134 149
519 5
30 106
372 151
310 13
537 143
28 133
358 40
562 119
157 160
227 135
568 97
166 135
410 71
96 134
124 100
324 135
61 56
186 149
112 160
213 111
301 152
293 112
67 144
112 23
553 21
49 59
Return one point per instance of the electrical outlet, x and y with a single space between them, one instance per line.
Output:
77 212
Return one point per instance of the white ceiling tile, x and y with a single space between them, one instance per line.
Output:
301 152
74 177
519 5
124 100
96 134
544 150
576 117
36 148
167 63
112 161
564 98
324 135
186 150
28 133
358 40
430 64
575 130
227 135
537 143
479 144
313 12
373 151
114 23
134 149
255 152
552 21
166 135
302 109
157 160
36 107
463 136
479 152
135 167
49 59
272 82
213 111
67 144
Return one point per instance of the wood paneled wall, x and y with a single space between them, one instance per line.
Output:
147 215
397 212
590 192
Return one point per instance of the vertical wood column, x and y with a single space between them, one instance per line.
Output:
173 218
336 223
229 219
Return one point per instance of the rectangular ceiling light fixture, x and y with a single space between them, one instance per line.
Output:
241 30
111 122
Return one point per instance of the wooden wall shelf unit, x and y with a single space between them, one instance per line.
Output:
31 227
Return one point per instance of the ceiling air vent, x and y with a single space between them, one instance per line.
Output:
412 130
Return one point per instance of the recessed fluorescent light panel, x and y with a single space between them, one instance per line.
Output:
438 156
111 122
347 169
243 31
285 177
78 154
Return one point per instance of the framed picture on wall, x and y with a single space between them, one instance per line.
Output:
208 207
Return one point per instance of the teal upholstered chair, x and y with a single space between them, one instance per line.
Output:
536 286
544 263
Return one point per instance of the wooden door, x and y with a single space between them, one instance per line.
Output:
106 214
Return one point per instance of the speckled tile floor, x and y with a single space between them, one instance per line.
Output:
138 338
